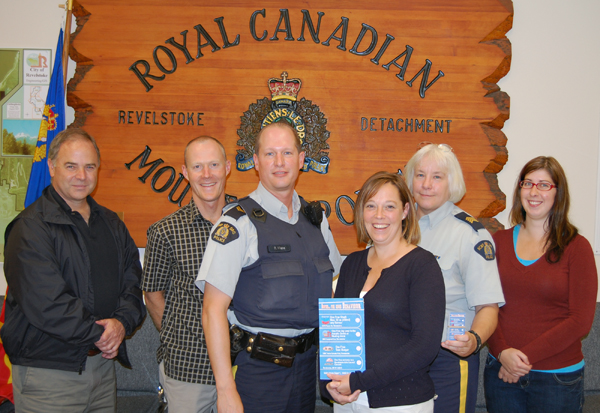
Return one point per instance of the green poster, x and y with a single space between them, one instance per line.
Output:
24 80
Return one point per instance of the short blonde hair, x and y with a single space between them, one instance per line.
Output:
444 157
281 123
410 224
202 139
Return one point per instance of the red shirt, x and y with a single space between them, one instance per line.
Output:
549 307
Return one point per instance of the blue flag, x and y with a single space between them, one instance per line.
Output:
53 122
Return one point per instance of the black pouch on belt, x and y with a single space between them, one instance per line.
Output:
274 349
238 339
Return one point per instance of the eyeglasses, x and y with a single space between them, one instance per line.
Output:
441 146
541 186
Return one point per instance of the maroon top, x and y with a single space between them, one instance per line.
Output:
549 307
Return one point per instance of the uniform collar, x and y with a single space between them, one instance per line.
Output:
273 205
432 219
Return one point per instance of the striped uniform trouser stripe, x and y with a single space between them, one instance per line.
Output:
464 380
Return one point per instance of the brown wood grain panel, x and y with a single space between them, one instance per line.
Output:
465 39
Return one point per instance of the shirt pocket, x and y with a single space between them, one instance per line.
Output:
282 285
455 287
323 265
322 282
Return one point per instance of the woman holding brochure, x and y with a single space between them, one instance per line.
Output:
403 291
465 252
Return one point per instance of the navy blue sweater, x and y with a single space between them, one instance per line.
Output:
404 320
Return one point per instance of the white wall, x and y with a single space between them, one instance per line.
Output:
554 90
553 84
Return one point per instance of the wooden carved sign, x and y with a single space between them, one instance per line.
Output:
363 82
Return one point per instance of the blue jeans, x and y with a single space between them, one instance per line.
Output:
535 392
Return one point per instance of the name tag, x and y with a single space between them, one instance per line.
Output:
279 248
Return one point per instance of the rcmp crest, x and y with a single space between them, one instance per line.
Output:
225 233
486 250
303 115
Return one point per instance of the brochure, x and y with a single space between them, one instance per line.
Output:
341 336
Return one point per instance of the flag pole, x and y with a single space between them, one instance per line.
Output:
67 41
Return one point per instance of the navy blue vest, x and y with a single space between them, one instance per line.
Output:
281 289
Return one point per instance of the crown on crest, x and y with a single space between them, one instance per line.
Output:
284 88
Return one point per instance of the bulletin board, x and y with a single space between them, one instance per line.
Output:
24 80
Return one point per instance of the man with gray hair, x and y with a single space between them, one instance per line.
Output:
73 275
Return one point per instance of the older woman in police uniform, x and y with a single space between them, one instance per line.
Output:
465 251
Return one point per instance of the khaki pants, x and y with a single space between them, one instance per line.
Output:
183 397
57 391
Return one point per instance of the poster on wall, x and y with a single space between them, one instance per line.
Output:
24 80
363 83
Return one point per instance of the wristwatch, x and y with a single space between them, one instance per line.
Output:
478 341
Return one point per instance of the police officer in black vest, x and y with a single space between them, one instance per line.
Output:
271 256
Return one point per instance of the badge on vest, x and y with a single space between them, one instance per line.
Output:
486 250
224 233
279 248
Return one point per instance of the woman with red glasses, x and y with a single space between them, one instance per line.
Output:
549 279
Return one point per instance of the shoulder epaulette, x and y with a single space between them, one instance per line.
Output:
235 212
230 198
463 216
